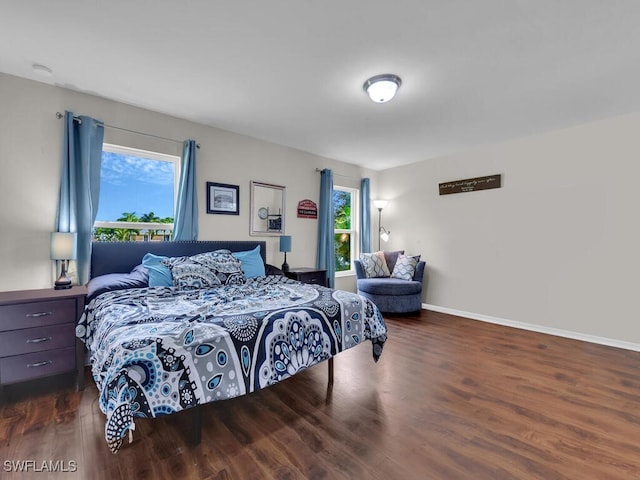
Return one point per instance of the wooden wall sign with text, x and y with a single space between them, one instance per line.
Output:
307 209
471 184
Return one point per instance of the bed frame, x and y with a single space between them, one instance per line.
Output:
122 257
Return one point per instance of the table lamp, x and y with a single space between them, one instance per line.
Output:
63 248
285 246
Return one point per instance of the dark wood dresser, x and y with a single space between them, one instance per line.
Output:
37 334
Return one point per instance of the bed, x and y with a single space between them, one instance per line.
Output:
171 326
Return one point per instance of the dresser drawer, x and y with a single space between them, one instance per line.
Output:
29 340
36 314
40 364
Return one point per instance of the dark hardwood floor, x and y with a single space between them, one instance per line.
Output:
450 398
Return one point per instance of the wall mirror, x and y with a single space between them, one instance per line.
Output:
267 209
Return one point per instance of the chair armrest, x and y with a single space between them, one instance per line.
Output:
419 272
359 269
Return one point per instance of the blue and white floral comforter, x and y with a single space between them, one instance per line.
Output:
159 350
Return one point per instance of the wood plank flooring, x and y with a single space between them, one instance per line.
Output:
451 398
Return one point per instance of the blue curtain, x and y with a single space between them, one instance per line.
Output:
80 184
326 245
365 216
186 222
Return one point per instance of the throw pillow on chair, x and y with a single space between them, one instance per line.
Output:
405 267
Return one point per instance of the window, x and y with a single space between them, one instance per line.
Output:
138 191
345 208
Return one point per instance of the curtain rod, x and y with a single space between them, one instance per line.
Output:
77 119
319 170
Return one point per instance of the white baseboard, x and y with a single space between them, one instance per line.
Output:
536 328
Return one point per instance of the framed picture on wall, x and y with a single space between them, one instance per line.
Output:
223 198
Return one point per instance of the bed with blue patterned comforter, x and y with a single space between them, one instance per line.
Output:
159 350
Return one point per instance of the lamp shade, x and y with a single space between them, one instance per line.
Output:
380 204
285 243
63 246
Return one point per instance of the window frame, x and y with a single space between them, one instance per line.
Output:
150 155
354 232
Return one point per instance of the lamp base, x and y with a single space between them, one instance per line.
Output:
285 265
63 281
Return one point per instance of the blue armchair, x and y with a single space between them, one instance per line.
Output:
392 295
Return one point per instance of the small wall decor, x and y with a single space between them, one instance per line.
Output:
223 198
307 209
471 184
267 209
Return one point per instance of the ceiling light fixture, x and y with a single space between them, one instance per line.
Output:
382 88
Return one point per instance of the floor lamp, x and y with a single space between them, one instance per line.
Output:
383 234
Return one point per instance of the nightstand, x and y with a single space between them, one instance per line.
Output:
37 334
308 275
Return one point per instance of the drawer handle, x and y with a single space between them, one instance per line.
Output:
39 314
39 340
39 364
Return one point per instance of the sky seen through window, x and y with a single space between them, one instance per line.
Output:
135 184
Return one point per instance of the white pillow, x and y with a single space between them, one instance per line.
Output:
374 265
405 267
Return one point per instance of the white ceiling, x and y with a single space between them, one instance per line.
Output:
474 72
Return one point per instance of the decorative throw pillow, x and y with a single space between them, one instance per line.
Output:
206 270
374 265
391 258
252 263
191 275
159 273
405 267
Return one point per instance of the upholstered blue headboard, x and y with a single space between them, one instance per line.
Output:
122 257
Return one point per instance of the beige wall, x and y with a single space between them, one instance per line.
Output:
30 157
556 247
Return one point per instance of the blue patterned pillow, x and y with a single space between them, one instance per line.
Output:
374 265
206 270
405 267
